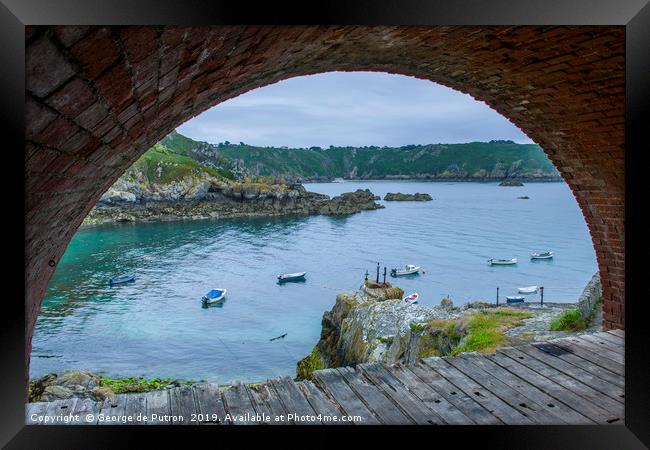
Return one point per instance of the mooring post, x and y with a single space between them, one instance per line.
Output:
497 295
377 273
366 278
384 274
541 295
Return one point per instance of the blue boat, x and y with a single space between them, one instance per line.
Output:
214 296
298 276
516 299
122 279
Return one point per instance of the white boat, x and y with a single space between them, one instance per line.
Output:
528 290
502 262
214 296
412 299
543 255
298 276
409 269
515 299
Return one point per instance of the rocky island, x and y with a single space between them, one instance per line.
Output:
511 183
399 197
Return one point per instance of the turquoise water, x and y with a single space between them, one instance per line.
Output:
156 326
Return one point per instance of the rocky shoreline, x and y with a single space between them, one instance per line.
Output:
224 201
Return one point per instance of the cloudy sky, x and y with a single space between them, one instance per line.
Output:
353 108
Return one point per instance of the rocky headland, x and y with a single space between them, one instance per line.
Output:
206 197
399 197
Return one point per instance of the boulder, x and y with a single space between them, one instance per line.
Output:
103 393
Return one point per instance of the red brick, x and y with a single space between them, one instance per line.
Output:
68 34
46 67
37 117
73 98
96 52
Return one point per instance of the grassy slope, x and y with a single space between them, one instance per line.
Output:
409 160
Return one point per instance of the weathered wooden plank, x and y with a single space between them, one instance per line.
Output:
239 408
450 414
615 392
589 355
374 398
58 408
346 398
35 412
454 395
559 393
575 386
136 409
572 358
87 410
261 397
609 347
620 333
331 413
210 406
183 405
559 409
393 389
158 407
594 348
298 409
113 411
527 406
612 338
491 402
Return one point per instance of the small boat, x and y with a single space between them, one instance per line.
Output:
412 299
214 296
515 299
502 262
528 290
409 269
544 255
298 276
122 279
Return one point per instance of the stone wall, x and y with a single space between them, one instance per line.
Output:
591 295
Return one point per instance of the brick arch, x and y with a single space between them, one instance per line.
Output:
98 97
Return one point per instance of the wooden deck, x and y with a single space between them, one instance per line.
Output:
574 380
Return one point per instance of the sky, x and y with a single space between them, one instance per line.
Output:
351 109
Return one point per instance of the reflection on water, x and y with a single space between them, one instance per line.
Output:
157 327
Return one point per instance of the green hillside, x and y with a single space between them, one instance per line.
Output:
475 160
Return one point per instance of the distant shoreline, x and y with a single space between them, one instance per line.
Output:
438 180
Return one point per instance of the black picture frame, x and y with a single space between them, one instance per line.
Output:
633 14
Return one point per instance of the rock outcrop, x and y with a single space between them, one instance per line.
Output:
81 384
217 199
510 183
399 197
366 326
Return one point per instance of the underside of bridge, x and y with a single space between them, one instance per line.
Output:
99 97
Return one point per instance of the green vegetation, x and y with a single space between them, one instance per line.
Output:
385 340
446 303
125 385
308 364
569 320
475 159
486 329
416 327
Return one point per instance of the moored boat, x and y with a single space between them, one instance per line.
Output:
528 290
214 296
409 269
542 255
298 276
412 299
127 278
502 262
515 299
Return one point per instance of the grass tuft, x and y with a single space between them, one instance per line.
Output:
570 320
